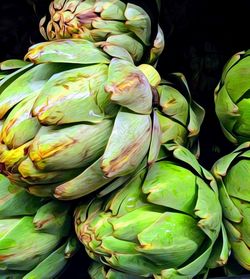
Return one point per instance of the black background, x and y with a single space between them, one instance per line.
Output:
200 37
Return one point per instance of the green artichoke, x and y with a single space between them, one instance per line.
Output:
232 100
33 234
113 21
233 175
163 223
76 119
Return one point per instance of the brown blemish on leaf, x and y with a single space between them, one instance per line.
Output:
65 86
39 225
132 81
87 17
124 156
2 257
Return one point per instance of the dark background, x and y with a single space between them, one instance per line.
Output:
200 35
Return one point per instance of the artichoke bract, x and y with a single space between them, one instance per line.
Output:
163 223
232 102
11 65
233 175
122 25
34 234
76 118
100 271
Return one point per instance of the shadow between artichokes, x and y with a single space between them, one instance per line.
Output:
163 223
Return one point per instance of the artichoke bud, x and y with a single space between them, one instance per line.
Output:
53 218
232 98
44 232
232 174
70 19
148 224
123 25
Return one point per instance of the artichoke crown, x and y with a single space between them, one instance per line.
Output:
163 222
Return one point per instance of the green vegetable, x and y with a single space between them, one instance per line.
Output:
232 100
33 234
233 175
164 222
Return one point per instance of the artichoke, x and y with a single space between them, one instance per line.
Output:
113 21
232 101
75 119
163 223
34 234
233 175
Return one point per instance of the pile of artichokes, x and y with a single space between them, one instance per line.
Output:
99 151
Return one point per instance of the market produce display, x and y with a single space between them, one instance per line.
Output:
99 154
